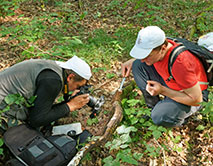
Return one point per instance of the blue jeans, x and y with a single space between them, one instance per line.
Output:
166 112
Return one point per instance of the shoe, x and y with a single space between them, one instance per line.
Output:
193 110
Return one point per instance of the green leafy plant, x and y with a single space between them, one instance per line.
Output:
157 131
123 138
122 142
110 161
7 8
92 121
87 157
113 5
200 127
18 100
110 75
207 111
98 69
151 150
1 149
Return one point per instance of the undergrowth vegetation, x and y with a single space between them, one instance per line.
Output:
138 137
57 29
103 32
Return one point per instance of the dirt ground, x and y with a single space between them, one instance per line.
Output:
200 142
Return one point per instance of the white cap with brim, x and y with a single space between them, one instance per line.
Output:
148 39
77 65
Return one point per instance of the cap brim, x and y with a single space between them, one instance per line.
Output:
139 53
61 64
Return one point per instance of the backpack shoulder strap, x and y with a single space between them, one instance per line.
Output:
172 57
205 56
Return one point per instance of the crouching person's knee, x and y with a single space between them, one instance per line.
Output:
162 120
157 118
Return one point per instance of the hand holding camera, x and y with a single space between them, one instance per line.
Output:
82 97
78 101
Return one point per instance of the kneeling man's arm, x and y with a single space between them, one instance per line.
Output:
191 96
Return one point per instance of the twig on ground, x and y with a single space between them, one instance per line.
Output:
164 156
106 82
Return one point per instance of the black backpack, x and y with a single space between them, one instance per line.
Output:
31 148
205 56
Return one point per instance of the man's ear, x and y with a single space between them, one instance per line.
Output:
164 49
70 76
164 46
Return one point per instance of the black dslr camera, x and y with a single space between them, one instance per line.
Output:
94 103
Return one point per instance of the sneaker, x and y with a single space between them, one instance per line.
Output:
193 110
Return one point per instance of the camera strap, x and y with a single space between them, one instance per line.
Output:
65 90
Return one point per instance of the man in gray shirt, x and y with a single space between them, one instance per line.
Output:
44 79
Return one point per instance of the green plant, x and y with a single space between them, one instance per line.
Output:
110 161
157 131
137 130
92 121
113 5
151 150
175 140
87 157
74 114
19 100
110 75
207 111
123 138
1 149
98 69
200 127
122 142
7 8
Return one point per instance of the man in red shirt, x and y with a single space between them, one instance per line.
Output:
183 94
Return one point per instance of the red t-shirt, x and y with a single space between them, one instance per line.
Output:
187 70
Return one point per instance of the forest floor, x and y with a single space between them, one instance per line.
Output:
197 146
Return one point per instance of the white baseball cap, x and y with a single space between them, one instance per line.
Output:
148 39
78 65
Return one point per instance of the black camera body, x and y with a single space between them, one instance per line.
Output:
94 103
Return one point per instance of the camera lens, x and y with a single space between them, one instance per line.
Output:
92 101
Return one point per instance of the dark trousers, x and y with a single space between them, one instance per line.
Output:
166 112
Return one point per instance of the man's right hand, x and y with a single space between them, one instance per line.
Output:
78 102
126 67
